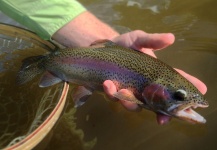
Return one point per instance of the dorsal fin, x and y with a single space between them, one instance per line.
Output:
109 43
102 43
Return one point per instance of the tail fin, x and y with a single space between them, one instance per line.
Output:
31 67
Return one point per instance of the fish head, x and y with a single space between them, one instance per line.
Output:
176 102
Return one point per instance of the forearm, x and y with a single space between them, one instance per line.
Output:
83 30
44 17
64 21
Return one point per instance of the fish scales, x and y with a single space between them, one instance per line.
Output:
144 79
101 56
152 69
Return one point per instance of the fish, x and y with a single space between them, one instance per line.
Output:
138 77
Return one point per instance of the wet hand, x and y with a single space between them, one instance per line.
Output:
148 43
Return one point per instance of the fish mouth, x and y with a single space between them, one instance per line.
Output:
189 114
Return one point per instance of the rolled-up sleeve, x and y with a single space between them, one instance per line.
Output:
44 17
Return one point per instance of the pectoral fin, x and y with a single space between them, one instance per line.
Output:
102 43
48 79
81 95
127 95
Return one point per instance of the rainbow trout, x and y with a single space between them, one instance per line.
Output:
139 78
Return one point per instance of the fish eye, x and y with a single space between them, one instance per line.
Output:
180 95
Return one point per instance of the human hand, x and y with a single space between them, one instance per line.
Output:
147 43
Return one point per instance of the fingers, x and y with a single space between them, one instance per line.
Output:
139 40
110 89
151 42
196 82
145 42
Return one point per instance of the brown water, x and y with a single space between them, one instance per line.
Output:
105 125
194 24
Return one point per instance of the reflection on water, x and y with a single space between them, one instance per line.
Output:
109 126
155 6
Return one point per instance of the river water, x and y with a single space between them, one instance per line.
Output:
104 125
194 24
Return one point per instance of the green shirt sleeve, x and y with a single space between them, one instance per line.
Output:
44 17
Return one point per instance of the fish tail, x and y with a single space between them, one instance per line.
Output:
31 67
